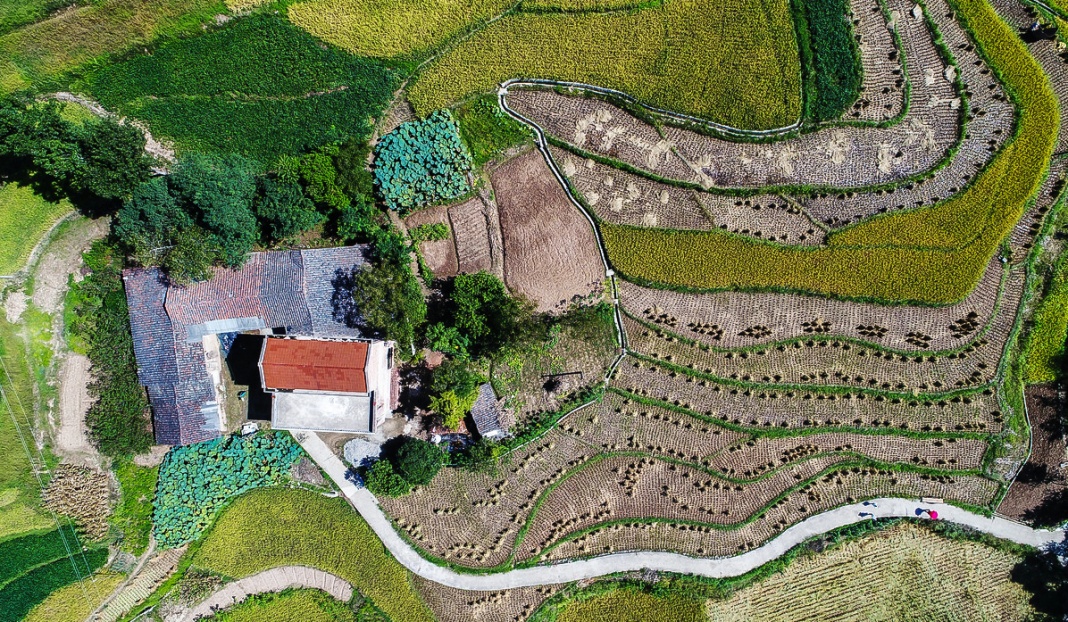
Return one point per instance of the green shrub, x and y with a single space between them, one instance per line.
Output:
430 232
259 86
21 594
422 163
381 479
22 553
195 481
452 407
417 461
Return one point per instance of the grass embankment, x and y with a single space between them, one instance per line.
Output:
27 217
279 527
487 131
932 255
133 515
259 86
906 572
404 28
734 62
42 53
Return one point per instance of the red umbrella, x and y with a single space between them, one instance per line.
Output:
934 515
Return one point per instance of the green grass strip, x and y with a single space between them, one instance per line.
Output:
29 551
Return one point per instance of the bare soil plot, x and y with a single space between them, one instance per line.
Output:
452 605
670 512
723 319
473 518
989 124
619 197
470 228
791 408
550 252
440 255
1044 478
835 363
882 90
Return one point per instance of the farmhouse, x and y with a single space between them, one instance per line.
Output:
176 334
335 385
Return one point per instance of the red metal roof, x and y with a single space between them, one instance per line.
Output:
315 365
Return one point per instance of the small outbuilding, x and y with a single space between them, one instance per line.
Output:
487 414
327 385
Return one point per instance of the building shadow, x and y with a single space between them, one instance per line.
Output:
243 362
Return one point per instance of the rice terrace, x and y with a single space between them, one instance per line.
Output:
547 310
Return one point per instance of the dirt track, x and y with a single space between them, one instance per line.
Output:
550 252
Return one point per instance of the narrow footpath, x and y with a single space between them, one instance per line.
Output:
564 572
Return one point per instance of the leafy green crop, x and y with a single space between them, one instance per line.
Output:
23 553
259 86
195 481
421 163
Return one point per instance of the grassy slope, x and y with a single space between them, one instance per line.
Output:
133 515
686 56
42 52
15 13
932 255
26 218
277 527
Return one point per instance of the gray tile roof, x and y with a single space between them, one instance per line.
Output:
290 289
486 413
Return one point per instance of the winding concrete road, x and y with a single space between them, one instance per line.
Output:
273 580
564 572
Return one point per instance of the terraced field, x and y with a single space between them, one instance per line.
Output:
809 321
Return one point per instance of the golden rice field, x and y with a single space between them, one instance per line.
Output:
905 573
688 56
279 527
74 603
386 28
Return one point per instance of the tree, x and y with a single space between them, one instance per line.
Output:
114 160
389 302
218 191
486 314
358 220
284 211
417 461
191 257
447 339
456 376
382 480
151 219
